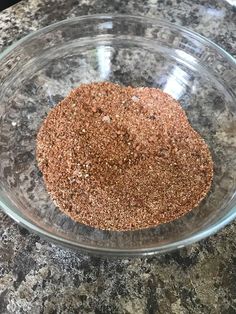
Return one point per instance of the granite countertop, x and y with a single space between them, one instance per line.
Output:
39 277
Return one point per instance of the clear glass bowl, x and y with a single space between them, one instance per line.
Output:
42 68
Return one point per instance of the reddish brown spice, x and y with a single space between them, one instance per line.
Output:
122 158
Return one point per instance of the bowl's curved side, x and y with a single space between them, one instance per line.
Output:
39 71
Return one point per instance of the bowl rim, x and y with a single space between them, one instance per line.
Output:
156 21
16 216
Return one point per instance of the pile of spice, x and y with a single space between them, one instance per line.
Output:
122 158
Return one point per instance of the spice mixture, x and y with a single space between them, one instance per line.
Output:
122 158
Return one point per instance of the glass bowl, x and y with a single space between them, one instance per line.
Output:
40 70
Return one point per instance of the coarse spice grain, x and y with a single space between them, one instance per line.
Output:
122 158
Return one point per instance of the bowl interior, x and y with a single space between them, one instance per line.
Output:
43 68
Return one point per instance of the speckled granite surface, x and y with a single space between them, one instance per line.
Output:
38 277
